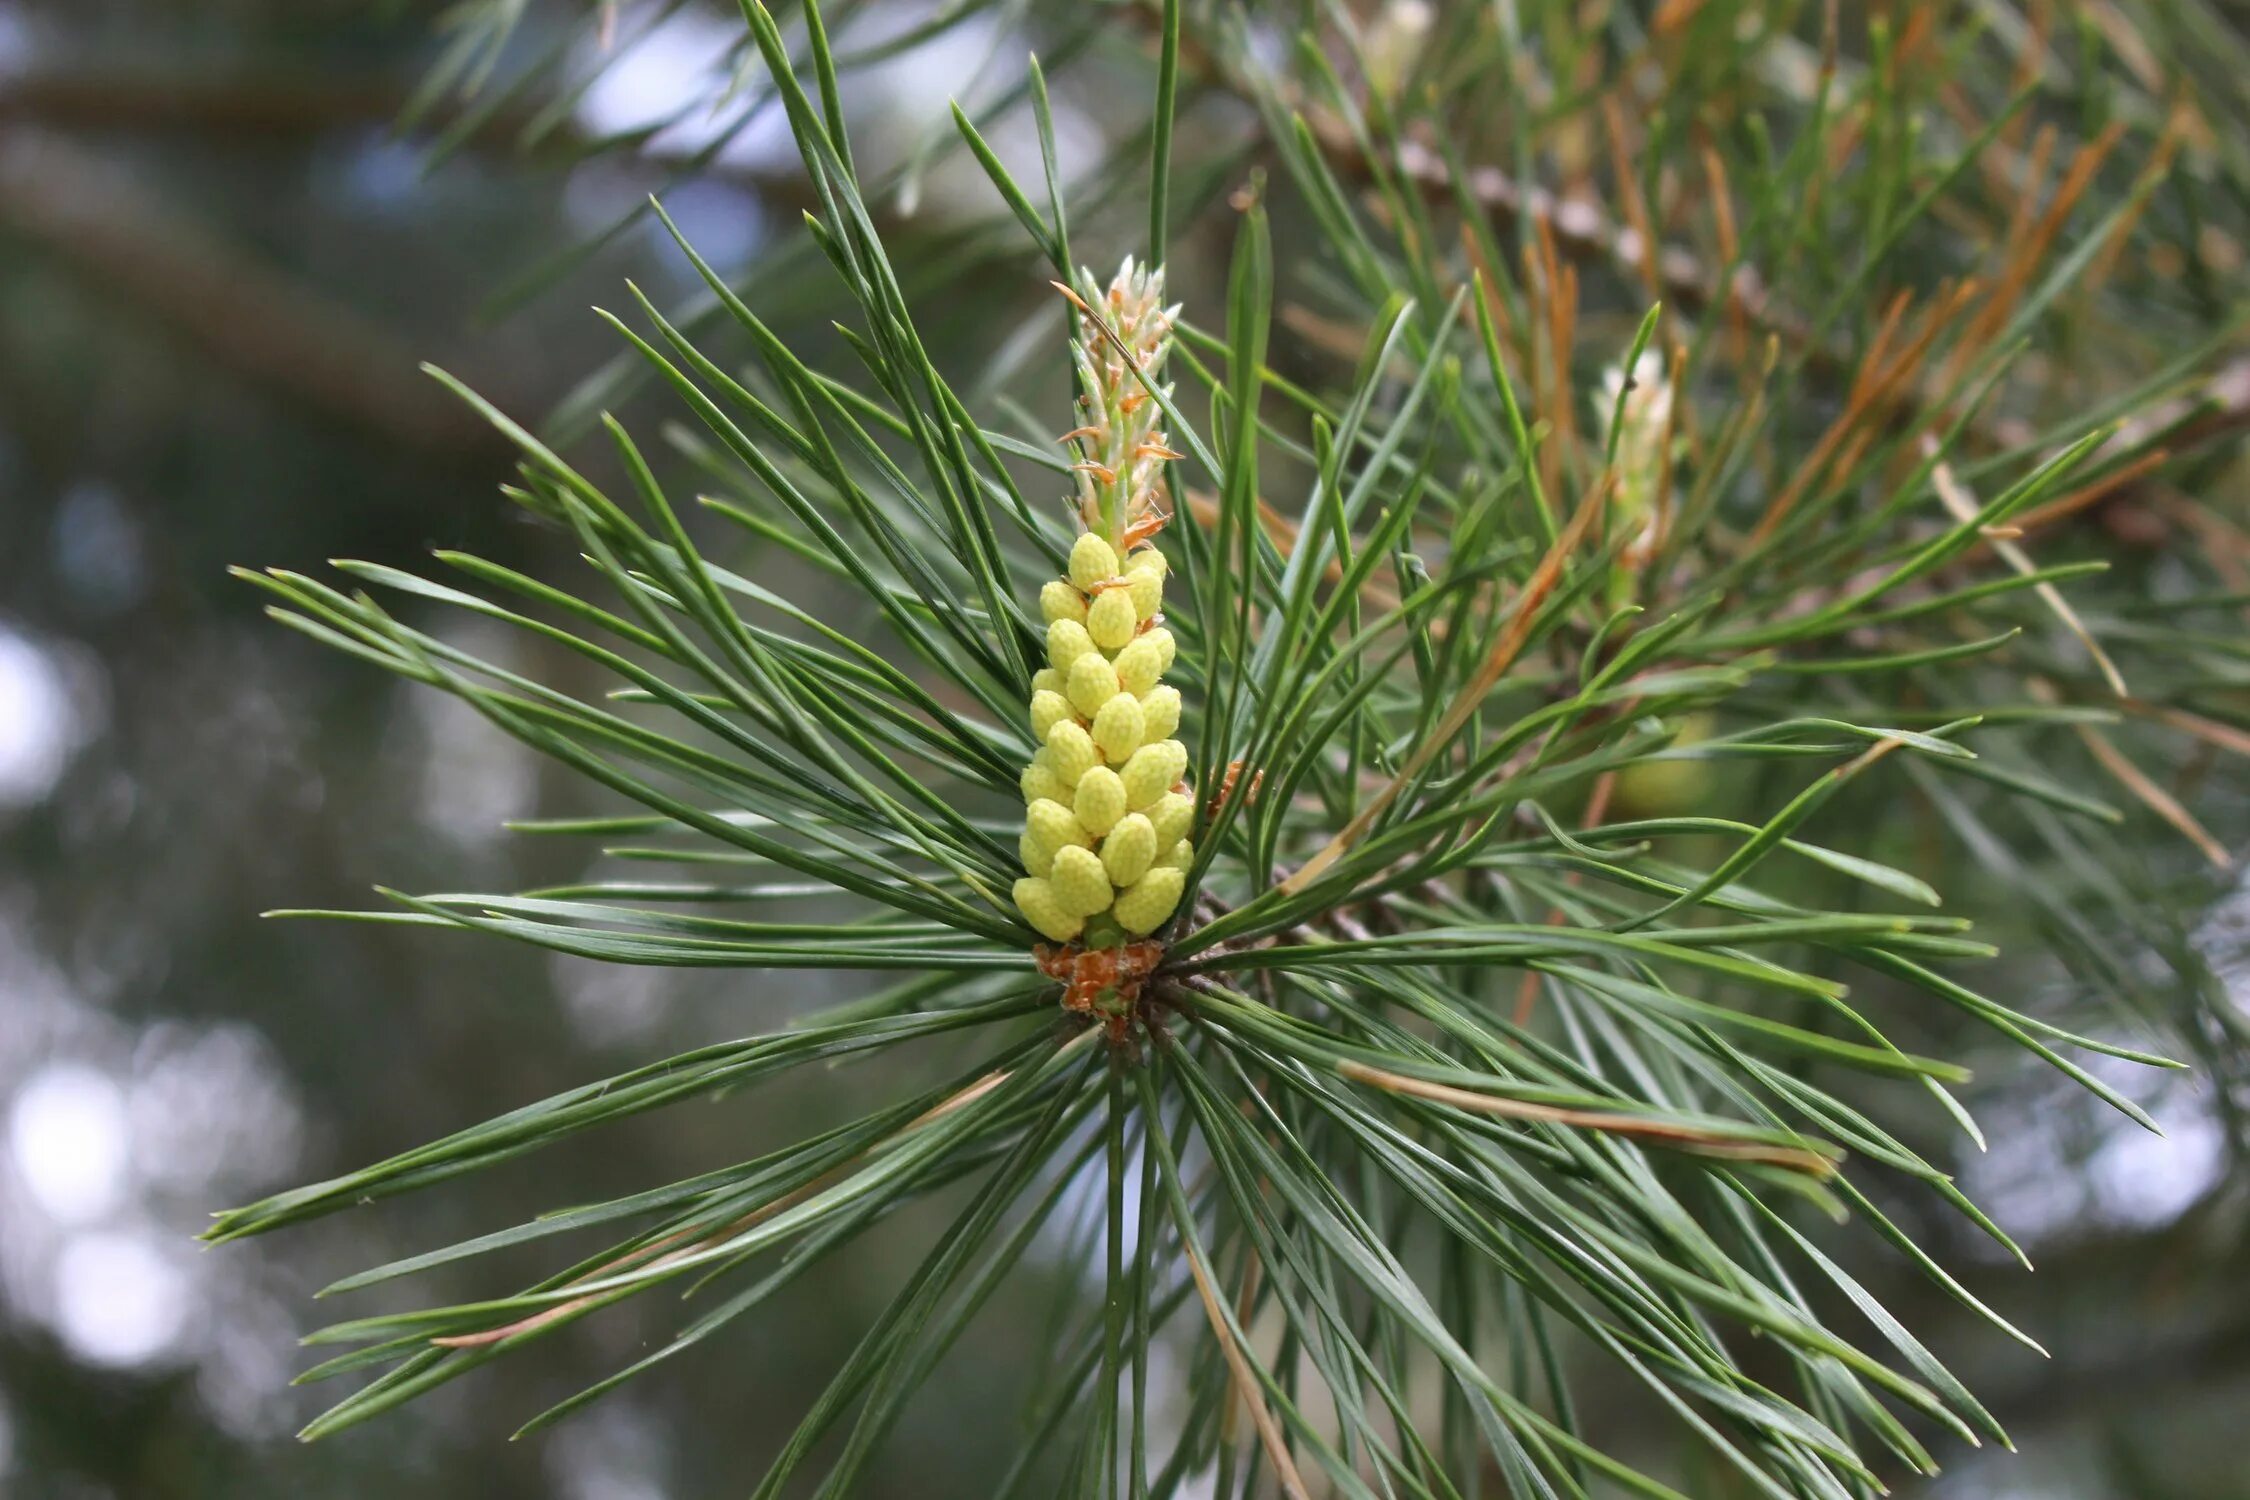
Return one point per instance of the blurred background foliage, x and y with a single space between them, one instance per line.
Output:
220 257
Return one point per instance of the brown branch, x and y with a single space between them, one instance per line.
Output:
1656 1132
1245 1383
1580 231
1525 614
244 317
261 105
1963 507
264 108
2223 736
2158 800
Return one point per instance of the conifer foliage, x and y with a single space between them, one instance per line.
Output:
1460 853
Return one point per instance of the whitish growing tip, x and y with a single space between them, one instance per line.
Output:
1124 336
1643 425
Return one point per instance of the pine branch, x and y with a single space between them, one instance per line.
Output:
1237 863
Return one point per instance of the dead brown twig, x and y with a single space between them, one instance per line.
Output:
1245 1383
1503 655
1659 1132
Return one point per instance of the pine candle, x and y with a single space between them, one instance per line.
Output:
1105 843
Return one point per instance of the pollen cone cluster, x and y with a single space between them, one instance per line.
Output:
1105 840
1105 837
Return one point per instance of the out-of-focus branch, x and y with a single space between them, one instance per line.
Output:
263 103
1583 233
248 319
263 106
268 105
2219 408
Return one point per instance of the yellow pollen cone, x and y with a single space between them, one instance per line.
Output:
1039 780
1071 752
1100 800
1173 815
1129 850
1145 587
1140 664
1144 906
1067 641
1111 621
1079 882
1119 728
1091 561
1047 710
1091 683
1053 824
1059 601
1160 712
1036 899
1151 772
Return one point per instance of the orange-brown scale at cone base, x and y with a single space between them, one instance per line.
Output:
1104 983
1227 788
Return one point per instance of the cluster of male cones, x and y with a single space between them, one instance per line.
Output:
1105 847
1105 839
